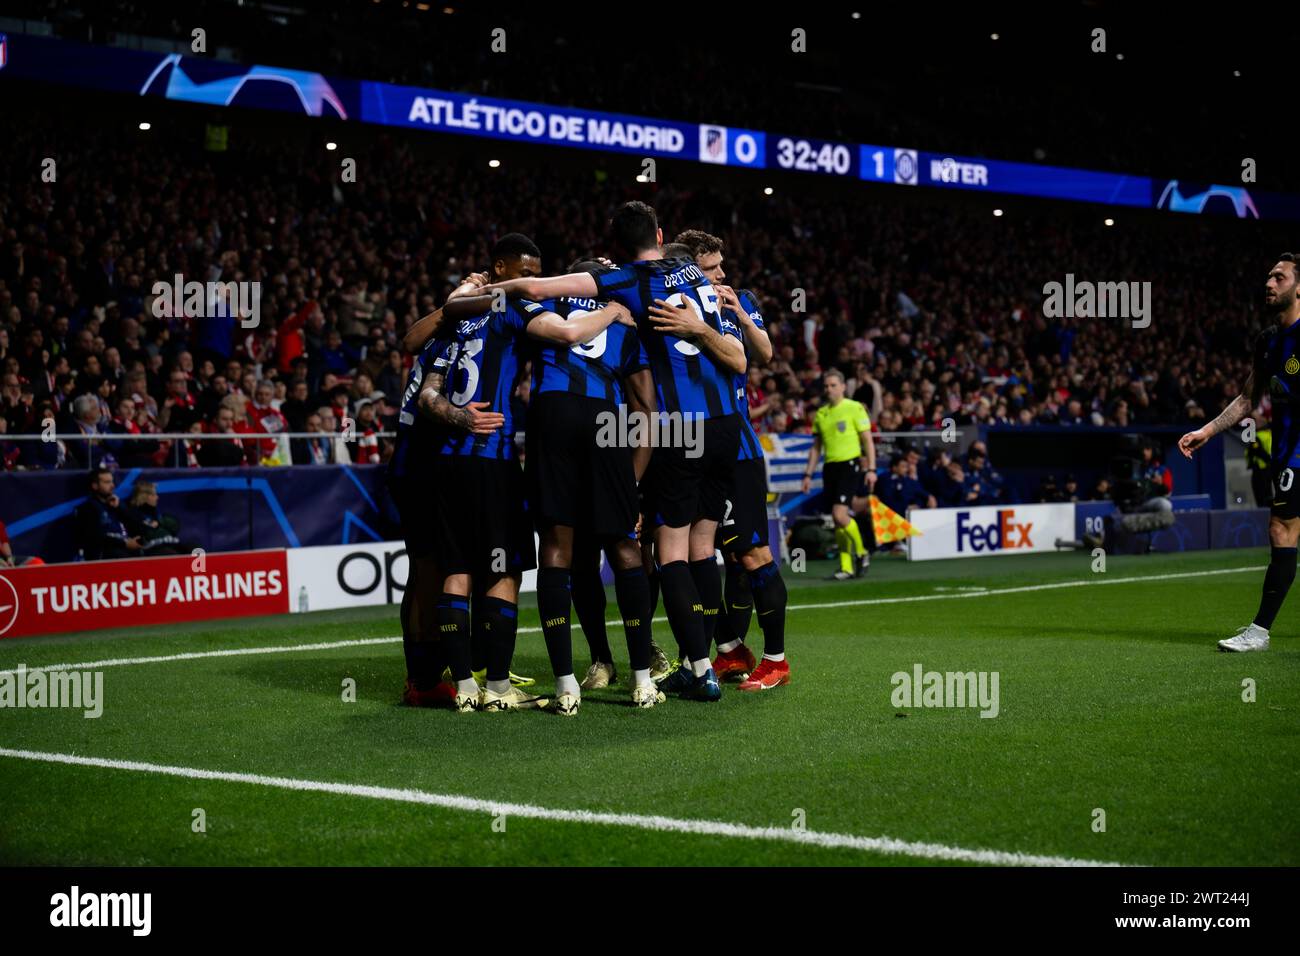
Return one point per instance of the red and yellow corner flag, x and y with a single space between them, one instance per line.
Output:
888 524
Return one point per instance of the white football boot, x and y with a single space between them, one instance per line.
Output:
1252 637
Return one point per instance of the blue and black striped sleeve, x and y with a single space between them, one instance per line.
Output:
621 284
749 302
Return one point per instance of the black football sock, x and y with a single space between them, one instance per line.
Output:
452 618
708 584
502 625
1277 581
685 613
739 607
652 577
424 664
408 631
424 658
655 577
478 633
769 592
553 600
589 607
633 593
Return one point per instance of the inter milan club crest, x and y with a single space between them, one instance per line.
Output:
1292 365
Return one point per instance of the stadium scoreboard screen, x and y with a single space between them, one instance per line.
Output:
202 80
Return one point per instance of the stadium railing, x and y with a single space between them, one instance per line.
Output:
179 437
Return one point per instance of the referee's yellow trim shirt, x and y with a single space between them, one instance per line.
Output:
838 426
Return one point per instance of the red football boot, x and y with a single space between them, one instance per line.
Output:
767 675
441 695
735 664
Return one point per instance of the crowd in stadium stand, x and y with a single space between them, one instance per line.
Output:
932 312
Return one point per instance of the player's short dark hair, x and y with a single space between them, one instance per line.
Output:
678 250
1293 258
634 227
584 265
101 470
514 245
700 242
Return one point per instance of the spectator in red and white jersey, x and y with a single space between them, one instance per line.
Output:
240 425
191 446
366 447
257 346
341 404
264 416
129 453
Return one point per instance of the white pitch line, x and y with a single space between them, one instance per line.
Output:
1056 585
198 655
332 645
657 823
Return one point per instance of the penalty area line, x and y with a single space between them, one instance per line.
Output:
656 823
860 602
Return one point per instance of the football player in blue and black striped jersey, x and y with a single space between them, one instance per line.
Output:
511 256
410 477
480 495
585 489
693 351
753 577
1276 373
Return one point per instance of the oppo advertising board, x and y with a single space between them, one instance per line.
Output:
352 575
988 530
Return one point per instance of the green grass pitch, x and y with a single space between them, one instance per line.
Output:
1112 698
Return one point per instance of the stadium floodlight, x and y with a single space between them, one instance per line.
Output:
997 212
145 126
642 178
995 36
1110 222
767 191
494 163
856 15
331 146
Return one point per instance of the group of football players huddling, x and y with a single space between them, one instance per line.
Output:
637 443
